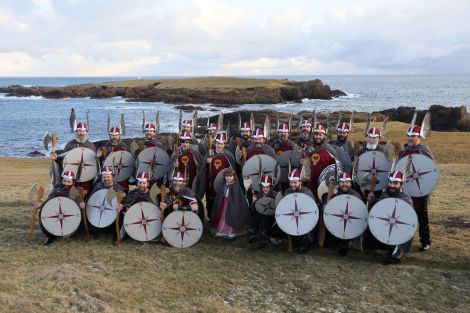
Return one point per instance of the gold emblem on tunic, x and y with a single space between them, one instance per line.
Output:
315 158
217 163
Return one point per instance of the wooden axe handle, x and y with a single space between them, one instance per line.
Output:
120 195
39 196
82 193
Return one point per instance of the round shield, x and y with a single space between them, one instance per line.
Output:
99 212
329 173
154 159
261 164
422 175
297 214
81 161
142 221
373 163
265 206
345 216
219 181
392 221
182 229
60 216
123 164
284 158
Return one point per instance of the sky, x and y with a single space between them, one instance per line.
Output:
244 37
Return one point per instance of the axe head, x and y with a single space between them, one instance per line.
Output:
154 192
73 193
390 150
32 193
47 140
247 182
134 147
110 195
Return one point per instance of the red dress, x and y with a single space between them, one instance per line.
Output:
220 228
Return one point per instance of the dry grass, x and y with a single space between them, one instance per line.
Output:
202 83
77 276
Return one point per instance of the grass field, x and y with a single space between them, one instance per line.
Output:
202 83
73 275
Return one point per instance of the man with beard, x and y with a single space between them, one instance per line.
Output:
206 141
107 181
261 228
319 156
420 204
189 159
231 213
150 140
140 194
114 143
305 140
259 145
372 141
372 144
180 197
345 188
394 190
301 243
60 190
81 140
216 160
342 133
187 126
284 144
244 142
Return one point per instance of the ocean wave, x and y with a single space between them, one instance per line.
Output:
350 95
4 96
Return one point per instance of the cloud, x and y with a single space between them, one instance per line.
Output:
209 37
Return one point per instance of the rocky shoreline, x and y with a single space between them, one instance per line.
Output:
151 91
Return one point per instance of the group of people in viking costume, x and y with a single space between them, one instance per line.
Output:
312 191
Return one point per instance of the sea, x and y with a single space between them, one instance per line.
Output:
25 120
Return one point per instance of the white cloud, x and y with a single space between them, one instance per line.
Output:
192 37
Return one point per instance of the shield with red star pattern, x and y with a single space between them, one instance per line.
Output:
99 212
60 216
142 221
154 159
182 229
345 216
393 221
423 175
81 160
297 214
269 166
373 163
122 163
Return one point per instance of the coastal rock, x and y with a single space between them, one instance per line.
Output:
279 92
442 118
36 154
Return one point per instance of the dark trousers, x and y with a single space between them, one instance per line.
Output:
262 224
423 220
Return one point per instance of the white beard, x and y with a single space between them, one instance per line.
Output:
371 146
81 141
